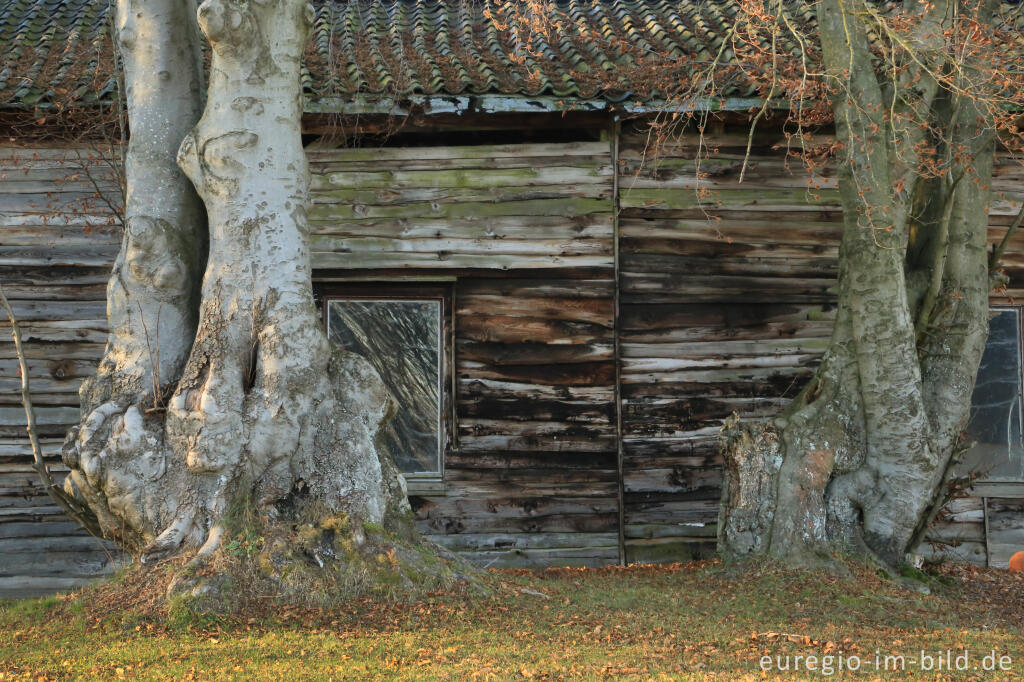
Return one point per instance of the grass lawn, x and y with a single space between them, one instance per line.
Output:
683 621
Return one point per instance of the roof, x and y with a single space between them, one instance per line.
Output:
56 51
60 49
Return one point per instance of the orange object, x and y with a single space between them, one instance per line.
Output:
1017 562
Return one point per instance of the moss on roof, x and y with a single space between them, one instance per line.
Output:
60 50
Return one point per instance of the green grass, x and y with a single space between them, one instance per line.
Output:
691 621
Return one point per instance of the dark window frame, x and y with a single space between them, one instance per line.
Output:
384 290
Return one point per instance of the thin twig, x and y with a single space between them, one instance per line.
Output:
84 165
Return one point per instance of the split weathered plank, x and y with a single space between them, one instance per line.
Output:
503 354
491 388
443 260
379 154
46 530
787 199
592 310
573 374
751 230
589 226
437 197
28 586
374 247
558 522
399 180
970 552
494 505
472 542
728 349
44 415
498 328
60 330
657 287
574 289
563 206
75 563
596 160
470 443
550 431
729 317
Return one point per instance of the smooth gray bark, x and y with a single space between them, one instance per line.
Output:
153 291
262 408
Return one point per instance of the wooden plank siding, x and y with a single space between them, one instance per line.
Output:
476 208
58 238
725 304
526 230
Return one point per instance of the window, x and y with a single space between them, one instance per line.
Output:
995 422
401 332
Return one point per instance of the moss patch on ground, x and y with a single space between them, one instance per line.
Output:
305 560
683 621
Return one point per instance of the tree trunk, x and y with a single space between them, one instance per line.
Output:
262 409
856 462
152 295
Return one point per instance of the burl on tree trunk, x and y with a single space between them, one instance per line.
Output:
212 395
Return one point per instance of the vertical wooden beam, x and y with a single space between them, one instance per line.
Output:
614 131
453 375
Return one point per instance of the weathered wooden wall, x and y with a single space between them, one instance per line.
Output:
726 307
57 242
715 316
526 230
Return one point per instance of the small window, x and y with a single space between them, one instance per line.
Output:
402 336
995 422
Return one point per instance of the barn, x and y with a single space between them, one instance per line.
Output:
565 320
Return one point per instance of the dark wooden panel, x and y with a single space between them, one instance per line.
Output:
726 307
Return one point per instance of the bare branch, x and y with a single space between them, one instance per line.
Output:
939 267
997 253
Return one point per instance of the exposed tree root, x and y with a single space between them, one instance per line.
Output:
303 558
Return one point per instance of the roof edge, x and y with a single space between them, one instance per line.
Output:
405 105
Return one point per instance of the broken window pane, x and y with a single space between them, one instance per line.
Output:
402 340
996 404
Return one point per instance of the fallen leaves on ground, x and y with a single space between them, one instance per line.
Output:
678 621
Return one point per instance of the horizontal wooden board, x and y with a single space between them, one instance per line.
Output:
330 260
385 154
476 178
29 586
589 226
594 310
